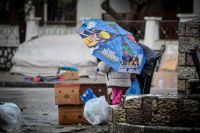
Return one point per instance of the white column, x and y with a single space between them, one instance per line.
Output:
45 11
151 31
32 23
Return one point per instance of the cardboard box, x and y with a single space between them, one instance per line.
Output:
71 115
70 93
70 75
165 79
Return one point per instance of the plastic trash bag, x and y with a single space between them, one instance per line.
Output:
10 117
134 89
96 111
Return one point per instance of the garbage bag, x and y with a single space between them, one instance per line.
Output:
10 117
96 111
134 89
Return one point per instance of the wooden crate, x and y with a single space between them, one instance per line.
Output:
66 94
71 114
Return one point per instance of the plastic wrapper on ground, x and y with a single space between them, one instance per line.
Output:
96 111
10 117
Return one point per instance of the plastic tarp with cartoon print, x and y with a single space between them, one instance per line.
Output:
113 45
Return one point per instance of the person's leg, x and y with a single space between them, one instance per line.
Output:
124 90
115 91
119 92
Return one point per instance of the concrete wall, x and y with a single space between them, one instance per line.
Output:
47 30
189 36
146 114
92 8
89 8
9 35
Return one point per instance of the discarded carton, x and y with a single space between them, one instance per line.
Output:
71 114
70 75
70 93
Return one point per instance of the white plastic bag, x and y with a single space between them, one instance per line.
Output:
10 117
96 111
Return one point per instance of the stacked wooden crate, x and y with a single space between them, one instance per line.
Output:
70 106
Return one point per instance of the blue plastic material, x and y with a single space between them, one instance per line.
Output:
87 95
69 68
134 89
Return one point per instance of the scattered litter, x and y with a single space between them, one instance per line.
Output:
96 110
43 79
10 117
44 114
68 73
67 68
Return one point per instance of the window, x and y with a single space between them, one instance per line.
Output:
58 12
11 11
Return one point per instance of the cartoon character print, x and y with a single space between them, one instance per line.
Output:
91 40
96 37
126 57
134 62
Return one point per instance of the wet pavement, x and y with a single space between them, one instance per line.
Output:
40 114
163 91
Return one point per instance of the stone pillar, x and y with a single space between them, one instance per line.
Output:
45 12
32 24
151 31
189 36
186 17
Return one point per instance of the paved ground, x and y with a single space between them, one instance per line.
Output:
39 112
163 91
